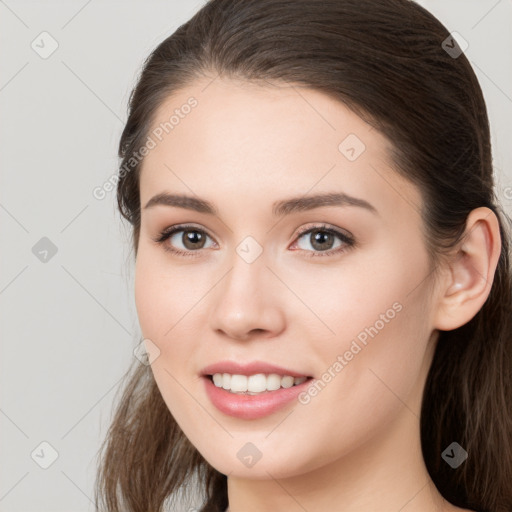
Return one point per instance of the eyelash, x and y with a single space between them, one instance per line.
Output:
346 239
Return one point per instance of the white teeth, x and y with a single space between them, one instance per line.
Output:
273 382
255 384
287 381
238 383
226 381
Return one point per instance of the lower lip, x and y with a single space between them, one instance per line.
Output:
250 407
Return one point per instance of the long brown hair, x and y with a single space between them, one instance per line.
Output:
393 64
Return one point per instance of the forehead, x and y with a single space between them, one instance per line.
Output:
242 138
286 119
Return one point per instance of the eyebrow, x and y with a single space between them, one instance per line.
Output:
279 208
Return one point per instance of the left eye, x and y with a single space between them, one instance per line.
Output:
322 239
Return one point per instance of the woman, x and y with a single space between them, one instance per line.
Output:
322 269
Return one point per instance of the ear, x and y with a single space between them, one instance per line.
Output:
467 282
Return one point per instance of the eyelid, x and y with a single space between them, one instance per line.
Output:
322 226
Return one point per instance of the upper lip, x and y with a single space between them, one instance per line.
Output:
250 368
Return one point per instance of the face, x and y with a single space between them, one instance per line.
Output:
333 291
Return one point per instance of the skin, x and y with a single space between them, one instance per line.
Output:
356 445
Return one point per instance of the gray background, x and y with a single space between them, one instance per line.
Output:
68 320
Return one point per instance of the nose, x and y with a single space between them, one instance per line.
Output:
247 303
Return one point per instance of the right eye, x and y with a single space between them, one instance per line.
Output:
190 237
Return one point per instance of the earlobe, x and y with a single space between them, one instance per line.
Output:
468 279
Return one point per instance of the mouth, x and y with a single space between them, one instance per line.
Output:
254 396
256 384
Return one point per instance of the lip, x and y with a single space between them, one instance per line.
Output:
251 407
247 369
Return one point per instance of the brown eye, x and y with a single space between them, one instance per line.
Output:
193 239
183 240
322 241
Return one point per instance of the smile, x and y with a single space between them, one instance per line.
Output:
254 384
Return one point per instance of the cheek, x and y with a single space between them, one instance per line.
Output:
155 302
145 290
366 289
161 295
368 373
379 316
170 307
162 304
